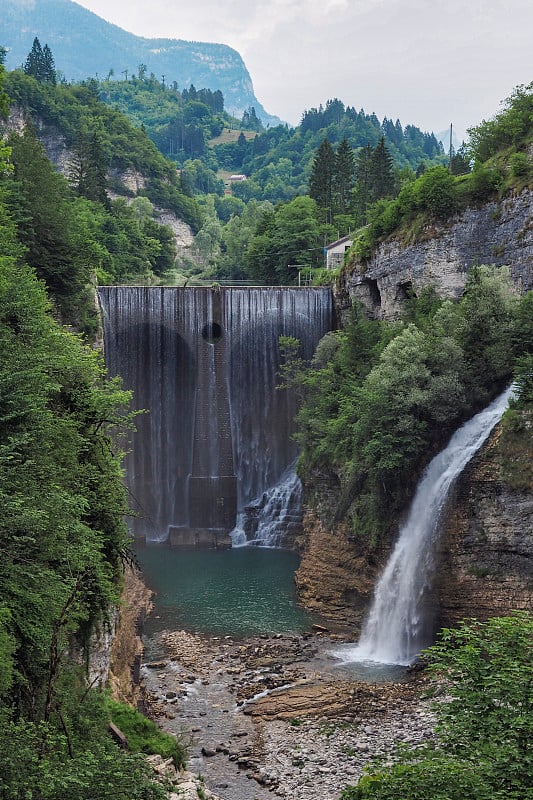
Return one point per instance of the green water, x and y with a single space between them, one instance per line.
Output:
240 592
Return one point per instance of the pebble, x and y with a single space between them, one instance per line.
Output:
303 758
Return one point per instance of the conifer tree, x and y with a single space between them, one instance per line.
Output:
49 68
88 168
344 175
321 182
363 187
40 63
381 173
34 60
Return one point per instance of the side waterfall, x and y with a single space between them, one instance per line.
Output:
400 621
216 441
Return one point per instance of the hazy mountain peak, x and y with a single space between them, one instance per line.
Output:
84 45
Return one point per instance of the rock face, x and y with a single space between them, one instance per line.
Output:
485 549
335 577
126 648
499 233
486 552
131 181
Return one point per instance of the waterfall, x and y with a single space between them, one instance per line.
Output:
400 621
216 437
267 520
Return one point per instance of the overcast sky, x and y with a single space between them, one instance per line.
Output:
426 63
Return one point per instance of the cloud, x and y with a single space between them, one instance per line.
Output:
428 62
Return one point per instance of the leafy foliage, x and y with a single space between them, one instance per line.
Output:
510 128
63 542
76 111
73 232
63 501
485 727
36 763
498 150
286 238
385 397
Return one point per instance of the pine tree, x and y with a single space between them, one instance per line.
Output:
460 163
35 61
344 175
363 186
40 63
381 173
49 68
321 182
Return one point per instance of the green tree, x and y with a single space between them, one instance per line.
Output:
49 67
381 172
88 168
322 180
436 192
460 163
344 175
237 236
486 336
485 727
286 237
363 187
48 228
40 63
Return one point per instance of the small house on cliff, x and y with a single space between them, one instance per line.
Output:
335 251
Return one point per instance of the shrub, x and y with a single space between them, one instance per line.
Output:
435 191
144 736
520 166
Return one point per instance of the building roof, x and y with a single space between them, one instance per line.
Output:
342 240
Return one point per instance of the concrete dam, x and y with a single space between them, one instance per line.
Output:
215 437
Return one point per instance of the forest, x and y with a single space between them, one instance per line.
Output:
377 399
64 539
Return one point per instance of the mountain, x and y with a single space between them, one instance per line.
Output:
84 46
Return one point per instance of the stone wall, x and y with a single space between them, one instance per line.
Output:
499 233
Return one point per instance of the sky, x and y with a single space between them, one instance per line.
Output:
427 63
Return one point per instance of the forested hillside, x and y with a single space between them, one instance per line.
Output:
86 225
86 47
64 539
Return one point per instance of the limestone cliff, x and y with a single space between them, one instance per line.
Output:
486 545
127 182
486 548
126 648
500 233
335 577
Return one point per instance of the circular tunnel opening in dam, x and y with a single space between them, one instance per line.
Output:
212 332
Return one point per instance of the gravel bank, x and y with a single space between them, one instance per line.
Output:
274 716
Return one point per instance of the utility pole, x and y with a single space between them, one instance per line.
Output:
451 146
300 268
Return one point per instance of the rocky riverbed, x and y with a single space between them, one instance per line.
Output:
277 716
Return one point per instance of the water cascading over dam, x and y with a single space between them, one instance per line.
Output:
204 364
